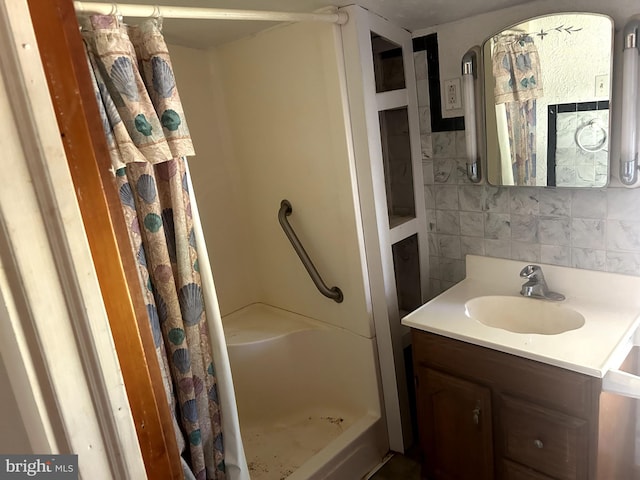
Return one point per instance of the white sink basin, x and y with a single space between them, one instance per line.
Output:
589 332
523 315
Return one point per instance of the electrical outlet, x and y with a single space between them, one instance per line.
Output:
452 94
602 85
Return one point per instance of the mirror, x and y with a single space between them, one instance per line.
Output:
546 92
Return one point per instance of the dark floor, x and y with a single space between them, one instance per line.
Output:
398 467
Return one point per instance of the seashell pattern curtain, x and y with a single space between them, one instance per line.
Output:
148 139
517 70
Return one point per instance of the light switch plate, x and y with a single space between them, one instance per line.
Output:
602 85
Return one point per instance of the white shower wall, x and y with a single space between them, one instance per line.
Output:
220 199
267 116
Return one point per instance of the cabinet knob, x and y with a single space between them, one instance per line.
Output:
476 415
538 443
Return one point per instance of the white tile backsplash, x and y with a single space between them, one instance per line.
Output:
471 198
623 204
497 225
425 119
471 246
554 202
587 233
423 91
623 235
497 248
589 203
444 144
472 224
449 246
446 197
554 230
496 199
588 258
524 201
448 222
524 228
526 252
451 269
420 65
623 262
444 170
555 255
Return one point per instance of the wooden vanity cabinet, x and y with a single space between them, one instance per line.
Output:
485 414
457 415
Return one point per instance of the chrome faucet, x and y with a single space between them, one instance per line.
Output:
536 286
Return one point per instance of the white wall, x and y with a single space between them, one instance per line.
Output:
283 137
455 38
570 62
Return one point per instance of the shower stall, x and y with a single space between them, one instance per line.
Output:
271 118
268 121
320 384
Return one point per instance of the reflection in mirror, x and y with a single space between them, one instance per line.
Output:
547 101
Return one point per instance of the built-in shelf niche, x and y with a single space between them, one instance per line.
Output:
397 163
382 91
387 64
406 262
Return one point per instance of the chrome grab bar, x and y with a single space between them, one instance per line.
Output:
334 292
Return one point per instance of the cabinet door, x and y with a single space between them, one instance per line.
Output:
455 427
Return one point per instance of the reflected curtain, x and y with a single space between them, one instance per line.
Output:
148 141
516 69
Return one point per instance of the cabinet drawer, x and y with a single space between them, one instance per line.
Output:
570 392
545 440
513 471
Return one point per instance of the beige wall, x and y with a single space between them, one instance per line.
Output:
284 137
217 180
13 435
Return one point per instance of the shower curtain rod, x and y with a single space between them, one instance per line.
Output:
130 10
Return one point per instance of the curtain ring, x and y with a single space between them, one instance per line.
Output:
115 12
157 16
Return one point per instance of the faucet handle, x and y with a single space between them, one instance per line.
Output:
531 271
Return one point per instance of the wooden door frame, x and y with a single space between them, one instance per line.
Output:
62 53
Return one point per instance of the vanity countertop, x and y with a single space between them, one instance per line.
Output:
609 302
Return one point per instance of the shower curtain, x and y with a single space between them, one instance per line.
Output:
148 141
518 83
